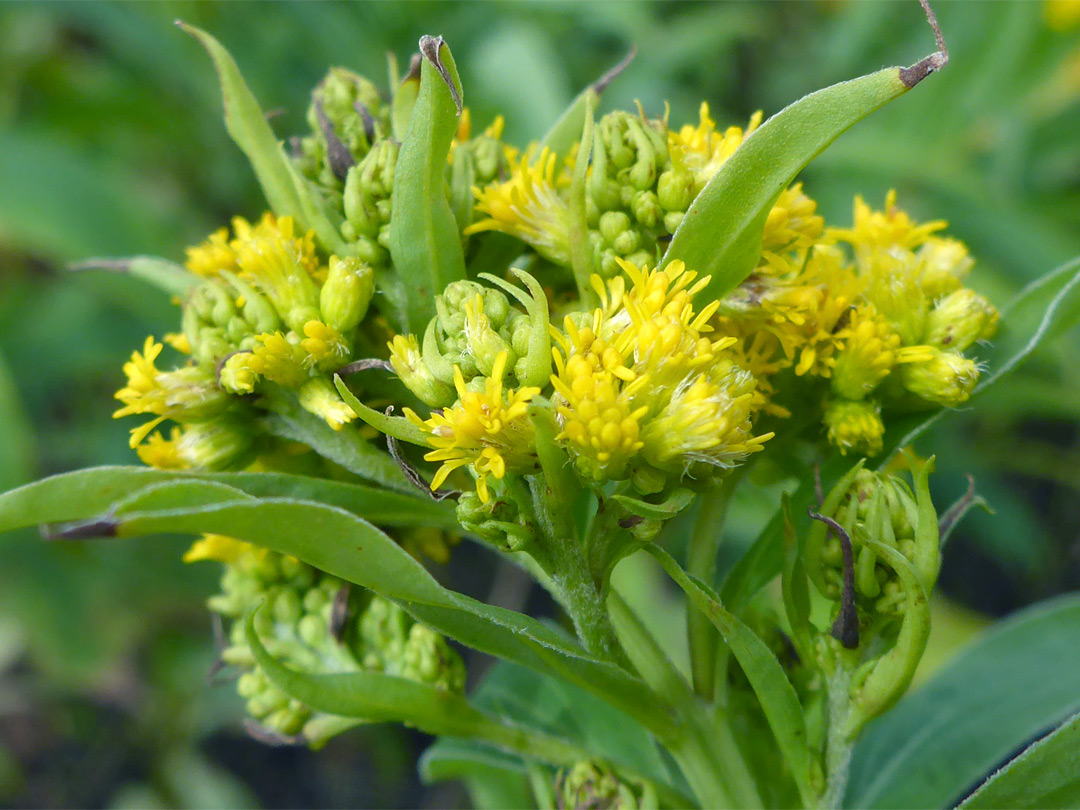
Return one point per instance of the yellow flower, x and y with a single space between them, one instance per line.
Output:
855 427
708 419
529 207
702 150
319 397
641 378
282 266
162 453
792 225
489 430
213 255
188 393
947 378
874 230
219 548
325 346
600 422
275 357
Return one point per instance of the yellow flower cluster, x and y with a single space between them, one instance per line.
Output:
529 205
702 150
487 429
639 384
893 301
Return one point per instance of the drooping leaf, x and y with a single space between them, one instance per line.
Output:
721 232
1046 774
772 687
1017 681
88 493
346 546
424 239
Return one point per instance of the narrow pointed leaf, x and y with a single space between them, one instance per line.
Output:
88 493
247 125
425 243
351 548
161 273
772 687
721 232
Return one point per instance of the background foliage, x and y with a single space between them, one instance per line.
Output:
111 143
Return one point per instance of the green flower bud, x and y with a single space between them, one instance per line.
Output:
346 117
588 785
219 444
673 220
959 319
346 294
854 426
497 522
876 508
413 370
427 658
366 198
947 379
646 208
675 190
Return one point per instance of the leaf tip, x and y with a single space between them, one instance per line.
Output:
911 76
431 49
601 84
81 530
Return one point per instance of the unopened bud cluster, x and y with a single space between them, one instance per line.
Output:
312 622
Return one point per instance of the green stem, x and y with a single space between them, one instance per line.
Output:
703 746
701 563
839 743
559 552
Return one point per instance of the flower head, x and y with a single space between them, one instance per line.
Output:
529 207
487 429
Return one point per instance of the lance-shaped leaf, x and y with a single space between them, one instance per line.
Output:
772 687
425 243
375 697
165 275
88 493
348 547
397 426
285 189
1046 774
721 232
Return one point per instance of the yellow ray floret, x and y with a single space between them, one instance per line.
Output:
189 393
529 207
489 430
703 150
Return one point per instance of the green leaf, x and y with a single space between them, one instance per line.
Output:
375 697
88 493
1014 683
772 687
1046 774
678 500
16 435
345 447
568 712
721 232
396 426
424 240
167 276
246 123
346 546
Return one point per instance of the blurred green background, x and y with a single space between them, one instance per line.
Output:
111 144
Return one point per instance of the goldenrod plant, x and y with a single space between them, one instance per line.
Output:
572 352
